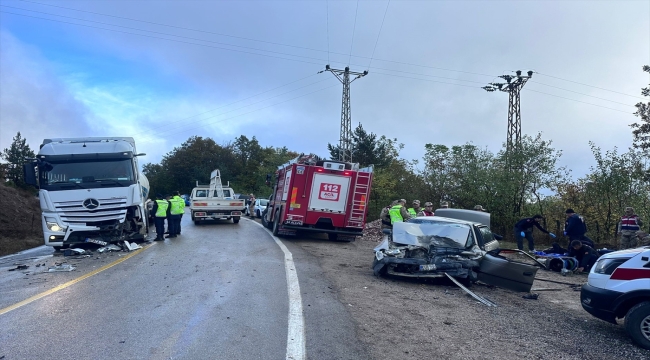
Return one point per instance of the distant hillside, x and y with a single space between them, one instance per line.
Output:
20 220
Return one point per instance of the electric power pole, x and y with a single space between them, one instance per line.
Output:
513 87
345 139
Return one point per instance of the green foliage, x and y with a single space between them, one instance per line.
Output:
369 149
16 155
642 130
243 162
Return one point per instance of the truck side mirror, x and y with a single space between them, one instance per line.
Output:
29 174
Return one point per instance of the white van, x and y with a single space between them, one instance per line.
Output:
619 287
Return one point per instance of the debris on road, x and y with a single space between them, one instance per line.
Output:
61 267
546 289
96 241
19 267
477 297
531 296
75 251
131 246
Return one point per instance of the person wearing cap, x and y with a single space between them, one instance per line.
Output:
524 229
642 239
629 224
585 255
385 217
444 205
176 208
160 207
398 213
427 211
479 208
415 209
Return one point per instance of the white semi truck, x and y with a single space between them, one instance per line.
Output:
90 190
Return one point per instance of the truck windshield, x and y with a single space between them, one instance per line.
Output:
88 174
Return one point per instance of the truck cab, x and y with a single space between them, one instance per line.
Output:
215 201
90 190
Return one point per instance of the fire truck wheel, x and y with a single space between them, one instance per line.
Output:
276 222
332 236
264 222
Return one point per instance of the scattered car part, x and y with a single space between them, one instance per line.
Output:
500 271
531 296
477 297
61 267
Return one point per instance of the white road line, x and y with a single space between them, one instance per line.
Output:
296 332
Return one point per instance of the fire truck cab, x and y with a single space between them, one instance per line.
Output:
316 195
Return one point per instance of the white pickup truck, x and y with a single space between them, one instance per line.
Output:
215 202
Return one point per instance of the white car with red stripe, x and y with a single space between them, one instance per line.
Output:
619 287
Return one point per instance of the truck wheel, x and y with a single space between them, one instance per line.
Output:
276 223
332 236
637 324
265 223
235 219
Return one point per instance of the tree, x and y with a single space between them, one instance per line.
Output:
641 131
369 149
16 155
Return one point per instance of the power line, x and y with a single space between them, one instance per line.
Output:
353 29
262 108
579 83
579 93
162 38
327 5
239 37
378 34
584 102
250 97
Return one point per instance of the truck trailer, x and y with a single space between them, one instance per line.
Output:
316 195
90 190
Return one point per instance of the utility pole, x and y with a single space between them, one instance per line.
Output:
512 86
345 139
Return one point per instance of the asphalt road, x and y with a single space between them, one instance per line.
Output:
218 291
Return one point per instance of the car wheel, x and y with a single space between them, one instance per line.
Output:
257 213
637 324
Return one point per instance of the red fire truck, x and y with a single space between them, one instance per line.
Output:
316 195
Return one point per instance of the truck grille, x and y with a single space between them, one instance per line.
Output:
73 212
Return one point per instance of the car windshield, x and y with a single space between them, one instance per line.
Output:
88 174
436 233
264 202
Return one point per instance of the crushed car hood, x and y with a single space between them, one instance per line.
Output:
439 234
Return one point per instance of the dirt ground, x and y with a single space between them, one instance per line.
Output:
403 319
20 220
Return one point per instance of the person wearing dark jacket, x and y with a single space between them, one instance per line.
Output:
585 255
574 227
524 229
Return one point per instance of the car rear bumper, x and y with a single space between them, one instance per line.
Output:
599 302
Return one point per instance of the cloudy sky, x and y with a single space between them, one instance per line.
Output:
162 71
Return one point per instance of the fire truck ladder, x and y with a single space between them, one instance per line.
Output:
359 199
215 183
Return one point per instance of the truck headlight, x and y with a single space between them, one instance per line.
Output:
607 266
52 225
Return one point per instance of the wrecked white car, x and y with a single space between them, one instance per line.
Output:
433 246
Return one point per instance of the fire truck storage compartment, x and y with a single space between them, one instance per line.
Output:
329 193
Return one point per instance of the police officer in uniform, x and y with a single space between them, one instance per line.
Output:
628 226
398 213
160 207
415 209
176 209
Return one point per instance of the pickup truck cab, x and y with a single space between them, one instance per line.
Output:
619 287
215 202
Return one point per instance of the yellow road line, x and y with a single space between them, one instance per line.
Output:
70 283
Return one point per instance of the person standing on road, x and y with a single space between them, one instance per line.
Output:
175 211
385 217
524 229
585 255
427 211
398 213
251 206
444 205
575 228
629 224
159 209
413 211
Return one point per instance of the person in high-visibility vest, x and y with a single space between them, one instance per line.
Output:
413 211
160 207
177 204
398 213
